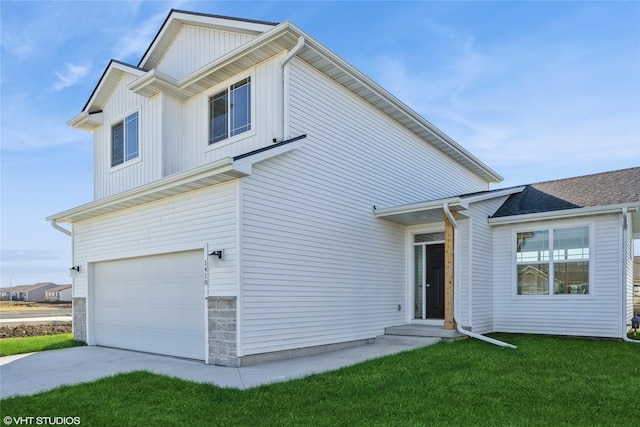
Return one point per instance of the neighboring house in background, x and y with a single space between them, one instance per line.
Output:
316 208
60 293
34 292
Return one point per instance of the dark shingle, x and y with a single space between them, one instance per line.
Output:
601 189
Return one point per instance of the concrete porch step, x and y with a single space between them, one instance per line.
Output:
423 331
408 341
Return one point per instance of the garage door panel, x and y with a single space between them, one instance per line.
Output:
153 304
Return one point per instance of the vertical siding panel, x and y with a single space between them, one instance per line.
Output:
197 151
195 47
122 102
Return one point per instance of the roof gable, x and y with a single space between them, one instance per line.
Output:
177 18
602 189
273 40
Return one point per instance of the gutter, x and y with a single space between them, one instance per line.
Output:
284 68
456 298
55 225
624 271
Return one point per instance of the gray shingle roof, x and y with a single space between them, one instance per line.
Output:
601 189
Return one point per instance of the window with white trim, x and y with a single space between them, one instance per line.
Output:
230 111
124 140
553 262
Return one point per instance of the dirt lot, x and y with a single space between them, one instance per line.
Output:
22 330
18 309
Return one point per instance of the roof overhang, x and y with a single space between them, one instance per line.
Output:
101 93
632 208
177 18
223 170
270 41
433 210
279 39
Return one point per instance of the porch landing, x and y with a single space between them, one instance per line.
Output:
418 333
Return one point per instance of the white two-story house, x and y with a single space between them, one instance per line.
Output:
257 197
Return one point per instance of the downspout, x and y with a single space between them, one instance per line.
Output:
293 52
55 225
624 277
456 297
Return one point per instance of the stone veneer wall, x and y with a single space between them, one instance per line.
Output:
223 345
79 319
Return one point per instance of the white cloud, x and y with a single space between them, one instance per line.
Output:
135 42
72 75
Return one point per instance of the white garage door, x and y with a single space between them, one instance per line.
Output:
153 304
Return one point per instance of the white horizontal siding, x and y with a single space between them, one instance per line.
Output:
596 315
195 47
145 169
481 252
266 83
318 267
187 221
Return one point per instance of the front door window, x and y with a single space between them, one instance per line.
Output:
429 276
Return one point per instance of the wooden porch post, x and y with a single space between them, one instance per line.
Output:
449 323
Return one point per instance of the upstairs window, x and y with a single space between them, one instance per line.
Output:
230 111
553 262
124 140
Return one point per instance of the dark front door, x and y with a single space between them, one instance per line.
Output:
434 281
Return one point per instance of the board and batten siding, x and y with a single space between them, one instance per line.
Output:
148 166
194 47
318 267
598 314
184 222
172 135
265 81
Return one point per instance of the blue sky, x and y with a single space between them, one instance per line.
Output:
536 90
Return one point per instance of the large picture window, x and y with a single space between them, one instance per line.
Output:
230 111
554 261
124 140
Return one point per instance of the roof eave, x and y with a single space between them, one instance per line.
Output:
177 18
565 214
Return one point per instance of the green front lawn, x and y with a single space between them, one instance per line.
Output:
546 381
9 346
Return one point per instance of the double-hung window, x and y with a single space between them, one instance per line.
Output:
124 140
230 111
553 261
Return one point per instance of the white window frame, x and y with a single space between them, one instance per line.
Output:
216 90
551 261
134 160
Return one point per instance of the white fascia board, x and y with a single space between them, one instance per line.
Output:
564 214
154 82
107 82
246 164
153 191
87 121
310 42
454 203
177 19
493 194
221 23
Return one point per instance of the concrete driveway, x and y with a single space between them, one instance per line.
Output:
27 374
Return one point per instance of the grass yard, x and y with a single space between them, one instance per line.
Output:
9 346
547 381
